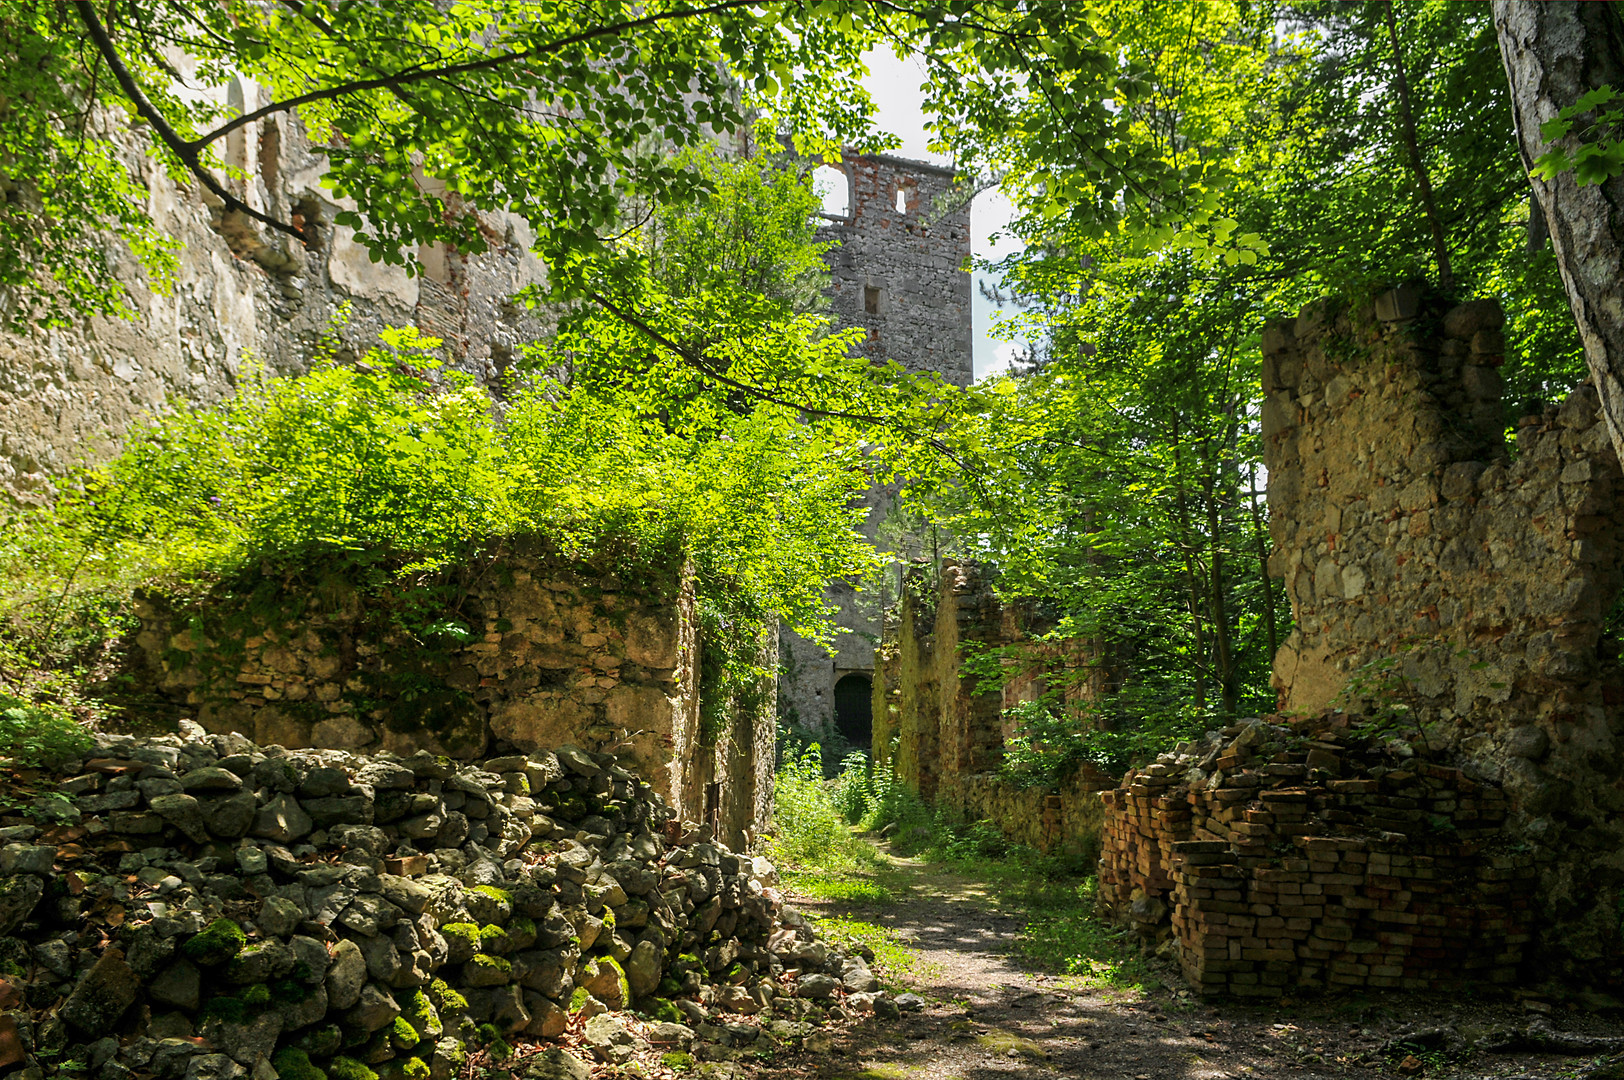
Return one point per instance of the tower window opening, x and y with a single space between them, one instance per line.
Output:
833 186
871 299
902 200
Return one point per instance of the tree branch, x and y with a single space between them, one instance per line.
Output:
411 75
186 152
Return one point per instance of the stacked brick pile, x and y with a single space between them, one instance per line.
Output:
1279 862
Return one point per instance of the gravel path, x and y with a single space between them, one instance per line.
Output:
989 1018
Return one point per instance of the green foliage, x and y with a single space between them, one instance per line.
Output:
226 1007
1598 155
36 735
811 831
1050 741
291 1063
854 792
215 944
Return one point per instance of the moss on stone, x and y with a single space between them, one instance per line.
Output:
668 988
522 926
497 962
405 1036
289 991
291 1063
677 1061
419 1012
416 1069
467 931
343 1068
257 996
620 978
500 895
215 944
609 920
578 998
446 999
233 1010
662 1009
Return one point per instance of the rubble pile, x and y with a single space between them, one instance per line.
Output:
1274 860
210 909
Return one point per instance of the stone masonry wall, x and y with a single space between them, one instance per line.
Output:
903 277
1455 586
244 293
560 652
950 734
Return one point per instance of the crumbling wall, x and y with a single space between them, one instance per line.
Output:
245 293
1445 584
201 906
950 730
544 651
902 276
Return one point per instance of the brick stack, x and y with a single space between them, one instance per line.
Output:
1284 862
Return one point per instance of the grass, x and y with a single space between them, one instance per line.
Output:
894 962
824 858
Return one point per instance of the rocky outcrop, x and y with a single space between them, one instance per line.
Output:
205 907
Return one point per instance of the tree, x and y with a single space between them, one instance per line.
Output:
1556 55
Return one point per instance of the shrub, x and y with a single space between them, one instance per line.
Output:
812 831
34 735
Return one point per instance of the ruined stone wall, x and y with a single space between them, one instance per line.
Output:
1445 583
903 278
950 731
244 293
203 907
1442 800
557 652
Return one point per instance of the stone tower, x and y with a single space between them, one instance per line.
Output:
900 273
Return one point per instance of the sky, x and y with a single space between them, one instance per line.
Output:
894 85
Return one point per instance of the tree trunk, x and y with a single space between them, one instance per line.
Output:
1554 53
1406 130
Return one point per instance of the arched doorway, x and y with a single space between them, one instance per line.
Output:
854 709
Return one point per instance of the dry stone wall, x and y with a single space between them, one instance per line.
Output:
204 908
555 652
943 734
245 294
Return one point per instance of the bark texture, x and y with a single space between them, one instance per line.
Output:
1554 53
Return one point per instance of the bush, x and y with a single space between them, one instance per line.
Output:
853 791
812 831
34 735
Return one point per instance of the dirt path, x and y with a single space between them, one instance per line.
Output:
987 1017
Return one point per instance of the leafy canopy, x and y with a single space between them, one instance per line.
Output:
565 114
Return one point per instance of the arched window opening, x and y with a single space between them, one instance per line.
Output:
833 186
854 709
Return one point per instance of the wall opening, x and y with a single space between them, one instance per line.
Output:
871 299
902 200
854 709
832 185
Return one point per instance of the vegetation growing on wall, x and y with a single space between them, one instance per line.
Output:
396 480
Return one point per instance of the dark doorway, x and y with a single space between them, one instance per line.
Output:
854 709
